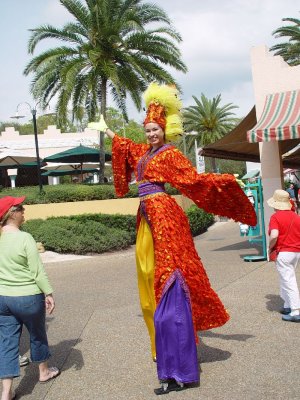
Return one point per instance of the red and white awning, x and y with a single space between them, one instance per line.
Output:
280 119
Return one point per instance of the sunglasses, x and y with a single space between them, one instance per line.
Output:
17 208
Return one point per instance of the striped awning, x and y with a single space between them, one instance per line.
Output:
280 119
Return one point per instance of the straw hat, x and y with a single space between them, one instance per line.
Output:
280 200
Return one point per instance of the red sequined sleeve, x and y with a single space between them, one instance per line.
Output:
125 155
218 194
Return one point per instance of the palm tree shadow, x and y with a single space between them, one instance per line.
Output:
274 302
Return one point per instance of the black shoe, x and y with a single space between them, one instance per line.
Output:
285 310
169 386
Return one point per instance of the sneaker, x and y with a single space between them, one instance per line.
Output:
23 360
285 310
291 318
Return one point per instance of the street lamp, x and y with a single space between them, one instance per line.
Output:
38 161
184 135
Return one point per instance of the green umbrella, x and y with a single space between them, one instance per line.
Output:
80 154
68 172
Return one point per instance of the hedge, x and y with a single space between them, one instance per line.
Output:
71 193
63 235
199 220
98 233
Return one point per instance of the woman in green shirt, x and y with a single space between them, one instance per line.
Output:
25 295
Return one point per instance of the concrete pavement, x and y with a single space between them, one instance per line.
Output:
99 340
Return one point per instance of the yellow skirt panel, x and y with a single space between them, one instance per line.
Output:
145 261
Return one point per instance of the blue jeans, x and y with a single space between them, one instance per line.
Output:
14 312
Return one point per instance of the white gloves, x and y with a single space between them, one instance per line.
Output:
99 126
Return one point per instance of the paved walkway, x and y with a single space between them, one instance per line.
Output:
98 338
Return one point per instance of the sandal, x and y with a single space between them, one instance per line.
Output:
169 386
53 373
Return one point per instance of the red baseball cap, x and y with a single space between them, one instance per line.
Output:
7 202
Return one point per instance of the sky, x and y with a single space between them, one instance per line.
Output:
217 39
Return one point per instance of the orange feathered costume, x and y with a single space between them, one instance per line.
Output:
173 243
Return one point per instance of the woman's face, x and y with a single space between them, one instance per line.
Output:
155 135
18 215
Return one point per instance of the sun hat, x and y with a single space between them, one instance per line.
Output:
280 200
7 202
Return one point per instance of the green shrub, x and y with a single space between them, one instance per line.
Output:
64 235
71 193
98 233
125 223
199 220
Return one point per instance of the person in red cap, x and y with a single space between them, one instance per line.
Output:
25 295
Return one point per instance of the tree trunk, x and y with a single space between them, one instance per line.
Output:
101 141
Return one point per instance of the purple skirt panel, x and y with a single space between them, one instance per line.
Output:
176 350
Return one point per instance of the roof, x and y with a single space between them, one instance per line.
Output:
293 159
235 146
251 174
280 119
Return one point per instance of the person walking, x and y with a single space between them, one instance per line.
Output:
284 240
176 297
293 198
25 295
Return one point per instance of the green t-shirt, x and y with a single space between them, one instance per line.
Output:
21 269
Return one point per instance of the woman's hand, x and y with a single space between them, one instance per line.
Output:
102 127
50 303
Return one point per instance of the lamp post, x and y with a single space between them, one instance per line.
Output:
184 135
38 161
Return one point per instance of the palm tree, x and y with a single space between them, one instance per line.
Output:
113 46
290 50
209 120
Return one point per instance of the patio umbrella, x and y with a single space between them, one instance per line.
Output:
79 154
61 169
70 167
62 172
15 159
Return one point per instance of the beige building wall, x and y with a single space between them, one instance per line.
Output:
50 142
112 206
271 74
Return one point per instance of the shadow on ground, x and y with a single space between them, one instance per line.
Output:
61 359
274 302
208 354
244 245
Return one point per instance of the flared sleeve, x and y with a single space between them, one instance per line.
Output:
125 155
218 194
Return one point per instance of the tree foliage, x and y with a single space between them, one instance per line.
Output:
120 46
290 49
130 129
209 120
117 46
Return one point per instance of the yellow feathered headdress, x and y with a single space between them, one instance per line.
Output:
163 107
